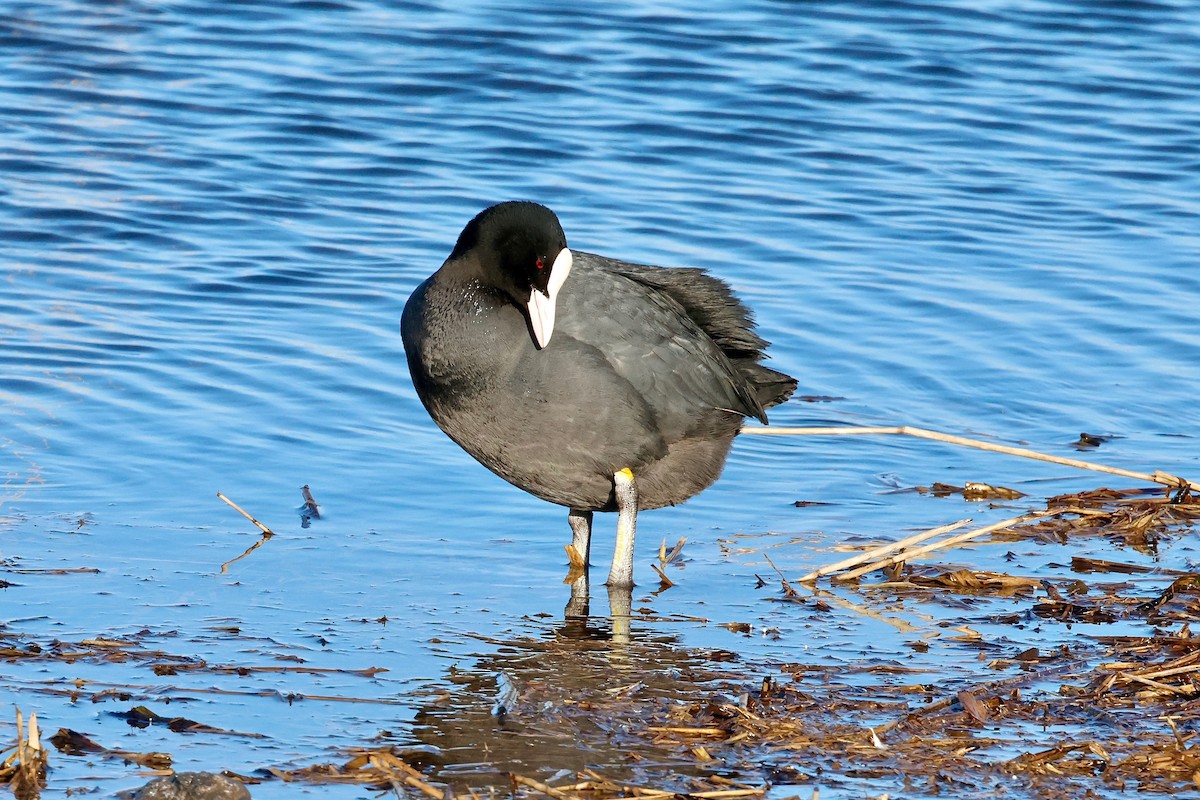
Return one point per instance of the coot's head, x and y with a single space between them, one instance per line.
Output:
520 249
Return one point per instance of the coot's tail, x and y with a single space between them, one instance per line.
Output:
771 387
716 309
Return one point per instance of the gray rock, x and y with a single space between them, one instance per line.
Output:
193 786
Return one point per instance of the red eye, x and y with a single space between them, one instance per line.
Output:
540 263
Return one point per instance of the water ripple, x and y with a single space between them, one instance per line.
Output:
973 218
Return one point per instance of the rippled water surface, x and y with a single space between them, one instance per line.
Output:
983 219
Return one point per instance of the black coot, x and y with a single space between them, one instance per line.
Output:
590 382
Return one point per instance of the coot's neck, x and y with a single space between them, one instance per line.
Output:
465 276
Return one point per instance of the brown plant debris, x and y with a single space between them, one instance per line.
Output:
595 785
972 492
143 717
73 743
380 768
1126 517
961 737
1088 441
968 581
133 650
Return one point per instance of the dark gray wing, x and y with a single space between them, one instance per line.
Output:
651 341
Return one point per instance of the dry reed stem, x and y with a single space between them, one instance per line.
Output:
243 512
1162 687
787 587
1166 673
1157 476
598 783
883 549
688 731
664 557
950 542
538 786
25 768
408 776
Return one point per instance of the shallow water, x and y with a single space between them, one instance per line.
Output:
980 221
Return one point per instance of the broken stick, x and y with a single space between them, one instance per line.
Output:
243 512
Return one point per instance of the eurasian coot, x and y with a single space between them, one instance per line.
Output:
589 382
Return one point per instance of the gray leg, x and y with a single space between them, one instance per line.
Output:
581 543
621 573
581 533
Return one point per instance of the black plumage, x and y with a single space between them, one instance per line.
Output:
642 368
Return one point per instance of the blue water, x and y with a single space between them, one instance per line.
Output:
979 218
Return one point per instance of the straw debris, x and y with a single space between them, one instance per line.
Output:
23 768
379 768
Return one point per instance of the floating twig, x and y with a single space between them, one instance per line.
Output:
245 514
1158 476
950 542
883 549
538 786
267 533
663 581
664 557
55 571
390 765
787 587
954 541
689 730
